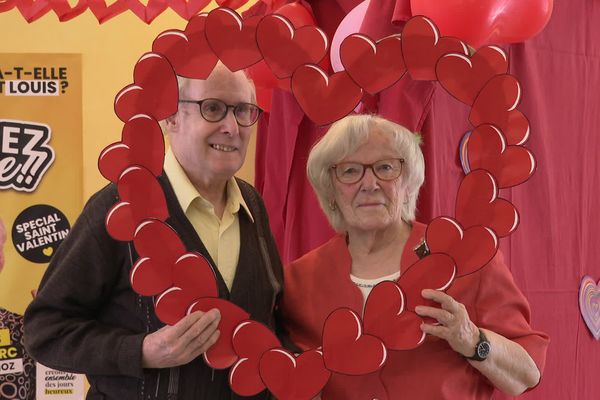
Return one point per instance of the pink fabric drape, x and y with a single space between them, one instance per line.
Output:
556 243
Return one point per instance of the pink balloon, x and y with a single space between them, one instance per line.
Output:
349 25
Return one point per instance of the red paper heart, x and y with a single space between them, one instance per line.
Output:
464 77
32 10
250 340
142 144
373 66
589 305
172 305
422 47
149 277
221 354
471 249
159 241
188 51
154 91
147 13
477 203
65 12
386 318
103 12
232 39
436 271
324 98
141 198
509 165
285 48
195 276
187 9
293 378
346 350
7 5
496 104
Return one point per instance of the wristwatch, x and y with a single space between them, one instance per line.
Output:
482 349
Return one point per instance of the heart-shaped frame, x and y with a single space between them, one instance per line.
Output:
494 96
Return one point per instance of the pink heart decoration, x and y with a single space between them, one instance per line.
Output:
477 203
293 378
589 304
142 144
471 249
141 198
497 104
233 39
373 66
422 47
436 271
188 51
285 48
346 350
325 99
509 165
154 90
464 77
221 354
386 318
250 340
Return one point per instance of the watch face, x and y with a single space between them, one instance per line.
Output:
483 349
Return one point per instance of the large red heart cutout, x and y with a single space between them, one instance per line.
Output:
250 340
293 378
464 77
509 165
374 66
386 318
154 91
159 241
188 51
346 350
141 198
324 98
436 271
142 144
285 48
422 47
497 104
221 354
149 278
195 276
172 305
471 249
477 203
232 39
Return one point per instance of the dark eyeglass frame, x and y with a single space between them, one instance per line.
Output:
227 107
364 170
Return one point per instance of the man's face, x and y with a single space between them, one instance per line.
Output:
211 152
2 240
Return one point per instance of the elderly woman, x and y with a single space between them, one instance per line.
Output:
367 172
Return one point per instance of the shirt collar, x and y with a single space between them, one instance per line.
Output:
186 193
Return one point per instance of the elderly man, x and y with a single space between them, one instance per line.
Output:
86 318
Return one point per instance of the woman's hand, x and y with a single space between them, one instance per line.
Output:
455 326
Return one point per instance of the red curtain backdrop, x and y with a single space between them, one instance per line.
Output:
556 243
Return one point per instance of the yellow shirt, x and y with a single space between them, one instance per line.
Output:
221 237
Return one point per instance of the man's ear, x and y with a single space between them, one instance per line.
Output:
172 122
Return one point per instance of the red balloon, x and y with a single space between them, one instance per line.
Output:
480 22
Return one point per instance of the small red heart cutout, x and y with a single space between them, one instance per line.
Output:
149 277
103 12
293 378
195 276
172 305
386 318
422 47
325 99
477 203
374 66
346 350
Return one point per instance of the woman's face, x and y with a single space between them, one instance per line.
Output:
371 203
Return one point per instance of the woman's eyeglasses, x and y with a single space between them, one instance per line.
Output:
215 110
351 172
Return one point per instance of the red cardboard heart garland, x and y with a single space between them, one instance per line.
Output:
184 282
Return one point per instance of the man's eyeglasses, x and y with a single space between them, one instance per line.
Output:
215 110
386 170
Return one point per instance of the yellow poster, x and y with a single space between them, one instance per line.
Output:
41 189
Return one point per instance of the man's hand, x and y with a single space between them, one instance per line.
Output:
179 344
455 325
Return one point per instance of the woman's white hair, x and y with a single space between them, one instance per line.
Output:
343 139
